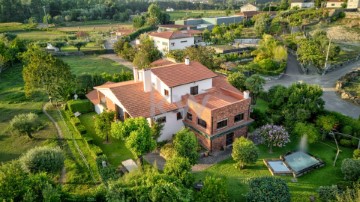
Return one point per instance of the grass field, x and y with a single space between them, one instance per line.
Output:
13 102
306 186
115 150
13 26
40 35
181 14
92 64
89 47
93 26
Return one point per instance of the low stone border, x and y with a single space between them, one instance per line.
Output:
349 77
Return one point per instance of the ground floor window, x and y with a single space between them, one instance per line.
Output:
229 139
202 123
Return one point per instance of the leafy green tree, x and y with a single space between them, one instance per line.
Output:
26 124
185 145
42 71
206 35
327 123
146 53
204 55
138 21
13 181
350 194
244 152
43 159
262 24
284 4
350 169
276 189
328 193
140 142
309 53
237 79
255 84
308 130
180 168
214 190
102 124
58 44
122 130
78 44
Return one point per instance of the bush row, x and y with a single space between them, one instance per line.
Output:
138 32
82 106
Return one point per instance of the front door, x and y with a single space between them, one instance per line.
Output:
229 139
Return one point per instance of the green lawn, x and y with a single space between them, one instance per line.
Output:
306 186
13 102
13 26
261 105
41 35
93 64
115 150
89 47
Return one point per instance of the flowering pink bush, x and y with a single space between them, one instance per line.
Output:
274 135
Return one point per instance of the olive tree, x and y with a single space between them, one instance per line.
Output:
43 159
244 152
26 124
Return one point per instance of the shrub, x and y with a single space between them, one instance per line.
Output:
75 121
327 193
186 144
81 128
108 172
96 149
168 151
346 142
180 168
347 130
82 106
41 159
214 190
268 189
244 152
350 169
356 154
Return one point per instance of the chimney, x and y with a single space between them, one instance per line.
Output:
136 74
187 61
146 79
246 94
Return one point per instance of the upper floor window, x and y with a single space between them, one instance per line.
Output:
194 90
202 123
239 117
166 92
172 44
161 119
183 41
179 116
189 116
221 124
165 44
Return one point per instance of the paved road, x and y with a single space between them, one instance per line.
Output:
118 59
333 101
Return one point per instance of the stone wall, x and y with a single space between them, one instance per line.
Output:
343 81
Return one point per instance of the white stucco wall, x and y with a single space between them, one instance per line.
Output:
179 91
180 44
333 4
351 4
303 5
160 87
99 108
161 44
171 126
248 7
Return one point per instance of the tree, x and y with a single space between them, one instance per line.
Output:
255 84
146 53
78 44
274 135
237 79
276 189
350 169
262 23
214 190
204 55
308 130
326 122
58 44
180 168
26 124
43 159
185 145
138 21
42 71
244 152
284 4
155 12
102 124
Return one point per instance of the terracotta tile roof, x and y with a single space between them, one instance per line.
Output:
222 94
178 73
139 103
110 84
173 26
161 62
93 97
250 14
170 35
337 1
194 32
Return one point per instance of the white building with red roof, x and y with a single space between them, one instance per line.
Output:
180 95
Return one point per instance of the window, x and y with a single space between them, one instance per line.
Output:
202 123
172 44
229 139
166 92
164 43
161 119
194 90
238 117
189 116
183 41
221 124
179 116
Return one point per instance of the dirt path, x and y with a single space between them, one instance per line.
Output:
60 135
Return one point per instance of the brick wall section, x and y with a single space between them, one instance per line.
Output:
198 111
203 140
220 142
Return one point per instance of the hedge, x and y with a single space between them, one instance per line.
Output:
82 106
138 32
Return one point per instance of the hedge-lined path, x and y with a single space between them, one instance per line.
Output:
118 59
61 137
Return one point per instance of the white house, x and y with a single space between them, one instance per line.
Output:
249 7
178 95
50 47
169 10
172 40
334 3
353 4
302 3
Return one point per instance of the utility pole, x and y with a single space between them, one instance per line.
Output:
45 15
327 57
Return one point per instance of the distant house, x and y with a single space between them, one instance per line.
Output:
169 10
121 33
178 95
353 4
334 3
50 47
170 27
302 3
209 23
248 7
247 15
175 40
